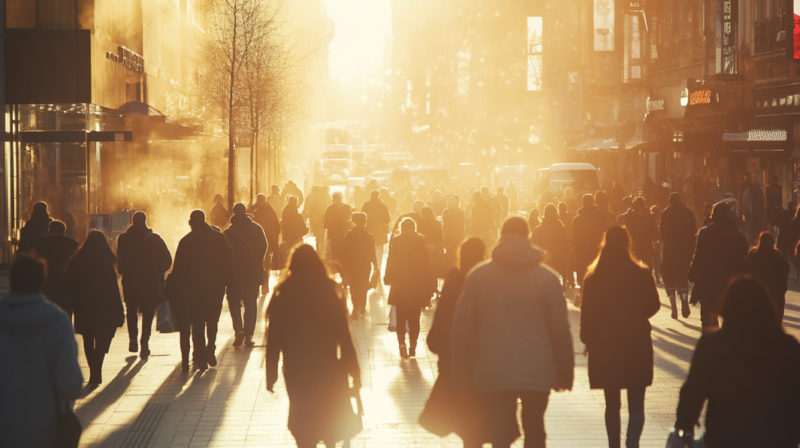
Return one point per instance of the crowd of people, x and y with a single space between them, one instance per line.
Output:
501 328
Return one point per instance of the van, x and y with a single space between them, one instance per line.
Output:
581 177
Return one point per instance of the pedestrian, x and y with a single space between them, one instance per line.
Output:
655 212
748 371
175 294
512 329
602 201
513 198
249 246
643 230
34 228
773 198
359 259
454 407
482 223
314 210
90 281
56 249
293 226
766 264
588 228
276 200
39 374
308 324
566 217
783 232
533 218
504 202
454 229
204 269
378 220
754 215
431 229
264 215
677 231
551 236
619 299
291 189
337 215
412 282
219 214
720 250
437 203
142 260
391 203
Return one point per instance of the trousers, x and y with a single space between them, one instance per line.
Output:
675 281
358 295
205 323
501 417
410 314
247 297
131 314
635 412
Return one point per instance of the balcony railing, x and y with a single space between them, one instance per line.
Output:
770 34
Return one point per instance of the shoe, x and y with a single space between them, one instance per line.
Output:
685 310
212 359
237 341
403 352
674 305
412 352
145 353
200 366
133 346
185 365
248 341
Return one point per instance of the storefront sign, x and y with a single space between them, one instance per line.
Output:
655 105
757 135
700 97
131 60
727 12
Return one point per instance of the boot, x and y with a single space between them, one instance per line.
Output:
412 350
685 310
133 346
145 353
674 303
96 369
403 352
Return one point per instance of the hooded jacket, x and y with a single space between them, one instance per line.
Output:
511 324
142 260
39 368
249 247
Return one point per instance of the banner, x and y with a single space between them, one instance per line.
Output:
796 23
604 25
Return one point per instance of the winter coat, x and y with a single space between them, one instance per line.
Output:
431 229
408 271
511 326
752 388
454 222
359 256
142 260
482 219
378 220
265 216
336 218
39 368
91 285
678 236
219 216
204 267
56 250
34 228
772 269
249 246
293 226
588 229
308 324
721 248
551 236
615 327
643 229
314 209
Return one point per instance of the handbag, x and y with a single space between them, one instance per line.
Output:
674 440
393 319
166 321
69 428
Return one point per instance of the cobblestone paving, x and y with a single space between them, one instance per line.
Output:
153 404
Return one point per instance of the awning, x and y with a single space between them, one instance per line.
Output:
598 144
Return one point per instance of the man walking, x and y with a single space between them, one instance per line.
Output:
142 260
336 217
511 337
204 268
359 257
314 210
643 229
249 247
588 228
264 215
678 229
219 214
56 249
378 221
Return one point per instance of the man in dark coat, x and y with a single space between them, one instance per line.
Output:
291 189
678 230
264 215
204 268
588 228
359 257
551 235
482 223
336 217
249 247
721 248
315 205
142 260
56 249
219 214
768 265
408 272
34 228
454 229
643 229
378 220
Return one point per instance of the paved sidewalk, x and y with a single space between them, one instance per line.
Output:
152 403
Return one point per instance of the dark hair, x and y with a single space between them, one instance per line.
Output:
515 226
587 200
359 219
56 227
471 252
674 198
139 218
304 267
766 242
616 252
96 246
408 224
27 275
40 210
748 310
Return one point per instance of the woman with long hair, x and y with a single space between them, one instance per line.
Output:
449 407
293 224
749 371
620 297
90 281
766 263
308 324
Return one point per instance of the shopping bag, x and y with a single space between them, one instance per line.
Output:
393 319
166 321
674 440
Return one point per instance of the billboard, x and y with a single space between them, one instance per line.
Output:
604 25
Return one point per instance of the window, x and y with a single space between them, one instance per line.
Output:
535 62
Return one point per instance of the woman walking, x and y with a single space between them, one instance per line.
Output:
308 324
293 225
91 283
768 265
450 408
620 297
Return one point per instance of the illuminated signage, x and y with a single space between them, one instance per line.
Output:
700 97
130 59
757 135
655 105
603 25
